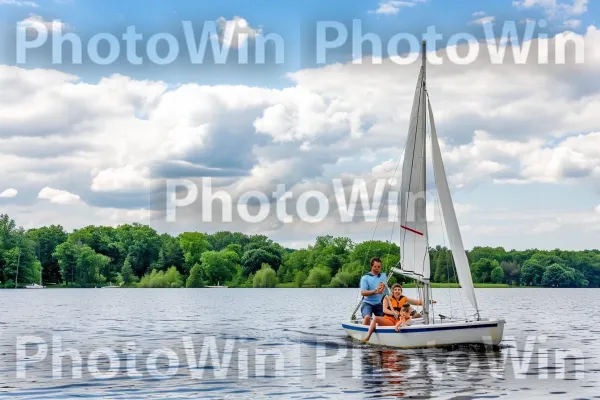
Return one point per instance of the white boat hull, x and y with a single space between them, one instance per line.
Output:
35 286
487 332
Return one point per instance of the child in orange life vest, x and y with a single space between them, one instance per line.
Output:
404 316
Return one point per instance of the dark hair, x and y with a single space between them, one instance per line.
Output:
396 285
375 259
406 306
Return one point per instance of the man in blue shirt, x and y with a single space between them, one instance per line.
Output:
373 287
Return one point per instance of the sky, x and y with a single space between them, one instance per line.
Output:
97 141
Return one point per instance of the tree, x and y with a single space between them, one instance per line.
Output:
127 273
195 278
193 245
482 270
318 277
512 272
141 243
67 254
218 266
162 279
497 275
45 240
299 278
266 277
531 273
170 254
253 260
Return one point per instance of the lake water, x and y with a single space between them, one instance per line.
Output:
288 343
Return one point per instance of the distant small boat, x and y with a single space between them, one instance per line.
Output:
110 287
34 286
218 286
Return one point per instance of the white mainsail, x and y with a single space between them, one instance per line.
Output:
414 247
456 244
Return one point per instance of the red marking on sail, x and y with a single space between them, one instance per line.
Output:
412 230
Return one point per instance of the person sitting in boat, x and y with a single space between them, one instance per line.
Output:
404 316
392 307
372 288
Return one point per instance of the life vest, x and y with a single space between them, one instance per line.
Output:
397 304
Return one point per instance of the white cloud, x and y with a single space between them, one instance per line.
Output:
572 23
236 32
35 22
111 139
597 208
556 8
483 20
126 178
19 3
479 14
9 193
58 196
392 7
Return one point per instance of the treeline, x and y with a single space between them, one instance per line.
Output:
138 256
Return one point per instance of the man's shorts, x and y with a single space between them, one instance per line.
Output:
368 309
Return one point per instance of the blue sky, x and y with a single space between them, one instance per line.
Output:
521 142
294 21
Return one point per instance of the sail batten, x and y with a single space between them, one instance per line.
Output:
456 244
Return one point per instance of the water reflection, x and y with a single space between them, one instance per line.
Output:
88 320
426 372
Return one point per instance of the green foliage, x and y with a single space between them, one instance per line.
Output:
557 275
266 277
253 260
127 276
512 272
161 279
318 277
497 275
482 269
193 245
195 278
218 266
300 278
531 273
95 255
45 240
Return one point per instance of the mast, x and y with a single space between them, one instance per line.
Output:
423 165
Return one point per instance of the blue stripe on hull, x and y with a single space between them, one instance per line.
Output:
433 328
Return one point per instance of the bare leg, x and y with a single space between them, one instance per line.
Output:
367 320
376 321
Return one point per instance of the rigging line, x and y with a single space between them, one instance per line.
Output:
386 197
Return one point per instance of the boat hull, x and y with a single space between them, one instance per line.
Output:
488 332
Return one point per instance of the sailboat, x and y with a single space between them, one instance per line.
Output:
427 331
217 286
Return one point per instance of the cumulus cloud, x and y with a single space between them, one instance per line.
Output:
572 23
58 196
236 32
9 193
113 141
392 7
555 8
483 20
35 23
